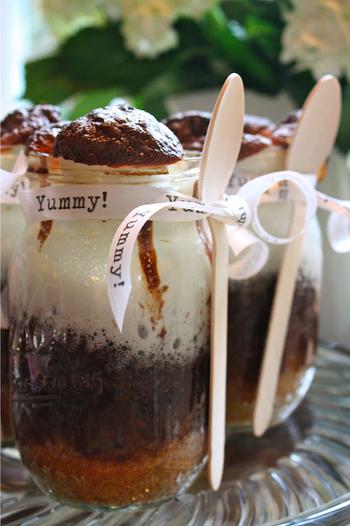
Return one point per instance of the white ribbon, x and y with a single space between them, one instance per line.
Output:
11 182
248 253
338 227
233 210
252 251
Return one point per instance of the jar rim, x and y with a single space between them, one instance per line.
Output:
59 169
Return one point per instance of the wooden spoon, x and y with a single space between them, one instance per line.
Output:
220 152
312 144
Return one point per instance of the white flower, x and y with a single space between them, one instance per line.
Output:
65 17
111 8
317 36
147 24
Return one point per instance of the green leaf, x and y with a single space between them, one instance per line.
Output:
85 102
97 57
232 46
300 84
344 129
47 82
265 37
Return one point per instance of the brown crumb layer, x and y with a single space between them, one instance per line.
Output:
76 479
241 398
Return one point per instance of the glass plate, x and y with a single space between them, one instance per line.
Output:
298 473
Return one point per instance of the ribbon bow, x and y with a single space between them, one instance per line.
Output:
238 211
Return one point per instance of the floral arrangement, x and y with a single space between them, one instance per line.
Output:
148 50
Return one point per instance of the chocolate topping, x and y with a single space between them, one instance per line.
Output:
284 131
259 132
18 125
253 124
190 127
43 140
252 144
292 117
118 135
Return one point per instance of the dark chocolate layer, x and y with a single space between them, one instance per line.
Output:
89 399
118 135
17 126
110 412
249 311
7 434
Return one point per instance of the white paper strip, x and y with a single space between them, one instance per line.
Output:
72 202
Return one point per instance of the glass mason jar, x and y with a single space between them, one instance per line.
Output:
104 419
250 303
12 225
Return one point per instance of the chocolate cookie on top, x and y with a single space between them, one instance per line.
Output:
118 135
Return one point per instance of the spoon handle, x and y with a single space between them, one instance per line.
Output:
218 358
278 326
312 143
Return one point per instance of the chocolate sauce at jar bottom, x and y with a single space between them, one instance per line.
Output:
5 403
249 310
110 407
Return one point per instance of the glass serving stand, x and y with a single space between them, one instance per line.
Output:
297 474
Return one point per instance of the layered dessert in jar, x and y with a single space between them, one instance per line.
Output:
16 128
103 418
263 150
